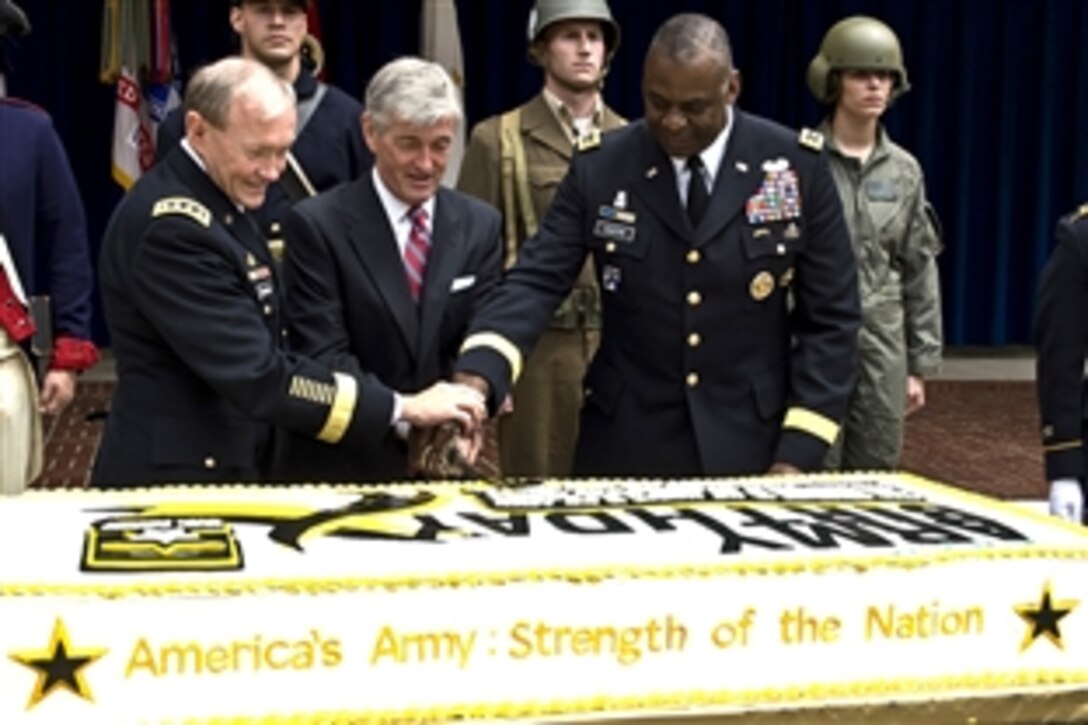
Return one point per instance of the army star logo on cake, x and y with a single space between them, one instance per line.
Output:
1043 618
58 665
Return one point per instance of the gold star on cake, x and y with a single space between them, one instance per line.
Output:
58 665
1042 618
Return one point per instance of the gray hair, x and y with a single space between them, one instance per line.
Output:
690 36
214 88
413 90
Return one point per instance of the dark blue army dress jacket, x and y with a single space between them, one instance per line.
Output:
193 305
724 348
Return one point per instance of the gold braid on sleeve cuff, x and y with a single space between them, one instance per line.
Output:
812 423
499 344
1062 446
341 410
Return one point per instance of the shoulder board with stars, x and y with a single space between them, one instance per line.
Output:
184 207
589 140
810 139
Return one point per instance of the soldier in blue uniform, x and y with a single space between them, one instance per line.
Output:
43 255
703 222
329 147
1061 340
192 301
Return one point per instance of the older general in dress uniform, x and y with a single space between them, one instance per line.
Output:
515 161
1061 340
191 298
702 222
329 147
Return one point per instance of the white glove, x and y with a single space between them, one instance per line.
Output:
1067 499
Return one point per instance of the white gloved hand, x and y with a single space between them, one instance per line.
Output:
1067 499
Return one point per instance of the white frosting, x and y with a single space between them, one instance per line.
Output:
486 623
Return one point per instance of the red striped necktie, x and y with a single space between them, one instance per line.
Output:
415 251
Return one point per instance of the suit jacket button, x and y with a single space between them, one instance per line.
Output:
695 299
694 256
210 463
693 380
695 340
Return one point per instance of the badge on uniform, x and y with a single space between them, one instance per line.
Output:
264 289
779 196
616 222
762 286
618 211
611 278
882 190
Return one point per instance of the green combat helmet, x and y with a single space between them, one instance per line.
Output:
856 43
549 12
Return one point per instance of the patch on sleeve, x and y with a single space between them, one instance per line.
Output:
185 207
811 139
312 391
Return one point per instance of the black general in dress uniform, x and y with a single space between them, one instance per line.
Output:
729 342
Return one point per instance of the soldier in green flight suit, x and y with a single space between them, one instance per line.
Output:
515 161
857 74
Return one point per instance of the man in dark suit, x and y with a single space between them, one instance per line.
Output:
360 295
1061 340
729 288
192 301
329 147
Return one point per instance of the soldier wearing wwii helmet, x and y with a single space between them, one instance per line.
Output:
857 74
515 161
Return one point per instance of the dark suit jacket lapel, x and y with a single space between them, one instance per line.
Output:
371 237
443 263
656 185
738 178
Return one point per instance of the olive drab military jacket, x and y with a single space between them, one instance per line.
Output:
530 162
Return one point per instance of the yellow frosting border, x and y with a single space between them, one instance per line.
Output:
860 692
588 575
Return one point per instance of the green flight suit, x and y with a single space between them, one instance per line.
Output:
896 237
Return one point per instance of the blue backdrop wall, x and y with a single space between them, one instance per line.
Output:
996 117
